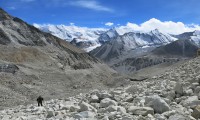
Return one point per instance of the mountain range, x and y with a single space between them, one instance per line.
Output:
118 48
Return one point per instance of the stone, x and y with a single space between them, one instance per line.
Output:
140 110
129 99
84 115
126 118
86 107
169 113
157 103
111 109
104 95
107 102
177 117
178 88
189 92
94 99
159 117
191 102
197 90
74 108
194 85
196 112
9 68
171 95
121 109
116 92
50 114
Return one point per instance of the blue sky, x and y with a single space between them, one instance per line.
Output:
95 13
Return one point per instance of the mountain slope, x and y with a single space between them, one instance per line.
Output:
36 63
193 36
166 54
129 41
184 48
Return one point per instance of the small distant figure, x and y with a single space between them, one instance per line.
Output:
39 100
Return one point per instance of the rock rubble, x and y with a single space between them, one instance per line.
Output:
173 95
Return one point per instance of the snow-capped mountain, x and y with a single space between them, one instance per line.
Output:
107 36
130 41
76 35
193 36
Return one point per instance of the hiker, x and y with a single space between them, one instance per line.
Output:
39 100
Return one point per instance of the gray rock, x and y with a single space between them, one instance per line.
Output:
167 114
178 88
140 110
177 117
197 90
191 102
94 99
129 99
189 92
111 109
86 107
85 115
196 112
107 102
121 109
171 95
9 68
50 114
157 103
74 108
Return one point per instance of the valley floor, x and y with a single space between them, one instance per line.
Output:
173 95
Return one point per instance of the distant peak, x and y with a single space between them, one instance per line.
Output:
196 32
156 30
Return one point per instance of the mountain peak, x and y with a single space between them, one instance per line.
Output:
155 31
4 15
196 32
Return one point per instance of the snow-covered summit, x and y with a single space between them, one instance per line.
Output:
69 33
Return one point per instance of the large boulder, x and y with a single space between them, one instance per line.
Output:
50 114
86 107
94 99
191 102
157 103
85 115
107 102
9 68
111 108
178 88
140 110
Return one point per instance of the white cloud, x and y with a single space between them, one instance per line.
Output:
165 27
72 24
91 4
109 24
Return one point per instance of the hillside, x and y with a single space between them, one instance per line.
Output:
34 63
184 48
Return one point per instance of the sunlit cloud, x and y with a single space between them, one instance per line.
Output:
109 24
163 26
